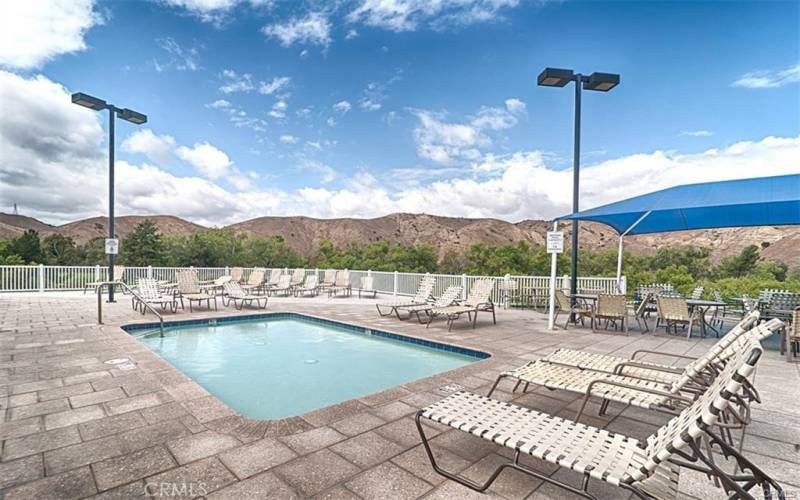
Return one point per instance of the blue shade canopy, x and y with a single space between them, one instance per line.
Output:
765 201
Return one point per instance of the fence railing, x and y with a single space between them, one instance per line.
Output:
524 290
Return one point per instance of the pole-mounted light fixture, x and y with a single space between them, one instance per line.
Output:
91 102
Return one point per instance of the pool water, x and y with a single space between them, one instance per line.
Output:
276 368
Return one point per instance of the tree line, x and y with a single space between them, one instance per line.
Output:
684 266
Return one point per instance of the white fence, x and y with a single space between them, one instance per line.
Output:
525 290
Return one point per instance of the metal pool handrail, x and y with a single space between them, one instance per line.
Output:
133 292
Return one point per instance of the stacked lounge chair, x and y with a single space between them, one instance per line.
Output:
283 287
422 296
648 469
341 284
274 279
448 298
255 281
478 299
148 292
189 288
234 292
309 287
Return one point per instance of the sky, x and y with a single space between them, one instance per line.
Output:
361 108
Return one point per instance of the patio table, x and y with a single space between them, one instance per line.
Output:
703 306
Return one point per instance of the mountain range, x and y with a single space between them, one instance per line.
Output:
304 234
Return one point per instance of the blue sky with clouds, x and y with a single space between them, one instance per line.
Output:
365 107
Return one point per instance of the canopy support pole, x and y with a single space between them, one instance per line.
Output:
619 250
553 264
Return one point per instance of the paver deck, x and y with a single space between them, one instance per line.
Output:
75 427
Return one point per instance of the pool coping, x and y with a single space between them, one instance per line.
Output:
238 425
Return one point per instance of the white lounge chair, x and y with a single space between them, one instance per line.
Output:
450 295
273 280
309 287
367 287
328 279
478 299
341 284
189 288
648 469
255 281
283 287
234 292
422 296
298 276
147 291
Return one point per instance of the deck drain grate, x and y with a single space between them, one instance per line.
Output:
449 389
117 361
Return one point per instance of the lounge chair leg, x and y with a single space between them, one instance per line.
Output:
494 386
494 317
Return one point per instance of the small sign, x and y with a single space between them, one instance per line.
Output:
112 246
555 242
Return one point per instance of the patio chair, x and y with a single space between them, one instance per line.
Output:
255 281
422 296
790 337
234 292
635 366
309 286
273 280
283 287
298 277
648 469
580 309
215 286
478 299
449 297
328 279
674 311
147 291
667 395
237 273
643 310
697 293
341 284
611 308
189 288
119 272
367 287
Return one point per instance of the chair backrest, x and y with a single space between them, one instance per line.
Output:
237 273
312 280
480 292
562 300
119 272
330 276
187 281
233 289
450 295
366 283
686 427
147 288
285 281
672 308
697 293
726 346
274 276
298 276
342 278
222 280
612 305
256 276
717 296
647 298
425 289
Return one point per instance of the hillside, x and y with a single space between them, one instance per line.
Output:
304 234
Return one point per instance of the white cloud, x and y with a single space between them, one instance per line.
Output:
278 110
220 104
374 93
209 160
516 106
449 142
331 121
213 11
236 82
277 84
34 32
696 133
54 154
323 172
408 15
769 79
181 59
351 34
342 107
157 148
314 29
288 139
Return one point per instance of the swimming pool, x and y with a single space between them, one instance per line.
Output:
281 364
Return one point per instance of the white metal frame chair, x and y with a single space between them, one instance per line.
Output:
233 292
478 299
422 296
367 286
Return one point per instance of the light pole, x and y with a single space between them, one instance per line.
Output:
603 82
126 114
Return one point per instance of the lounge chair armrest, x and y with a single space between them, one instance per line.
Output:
660 353
636 388
619 368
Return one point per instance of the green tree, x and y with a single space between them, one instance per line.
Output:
143 246
738 265
28 247
59 250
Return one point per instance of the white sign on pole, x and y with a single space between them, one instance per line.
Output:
555 242
112 246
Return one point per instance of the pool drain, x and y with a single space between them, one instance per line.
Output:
117 361
311 361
